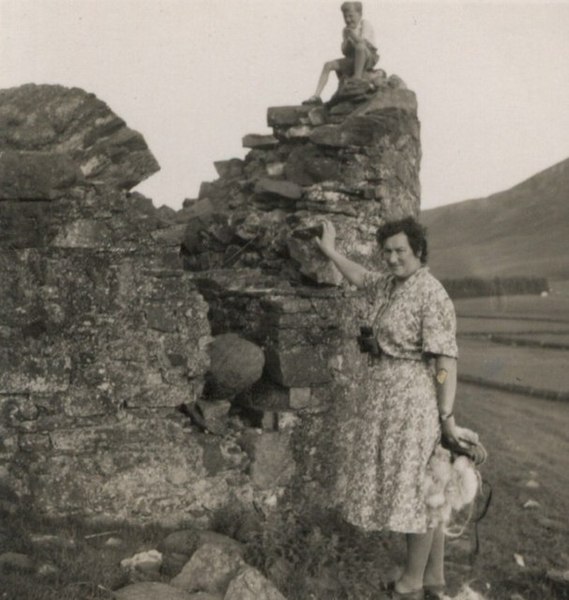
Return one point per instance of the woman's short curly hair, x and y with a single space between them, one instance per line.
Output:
415 232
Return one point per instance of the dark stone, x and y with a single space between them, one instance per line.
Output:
312 263
36 175
22 374
298 367
250 584
286 116
214 414
184 541
279 187
229 168
317 116
272 463
254 140
352 133
400 99
173 563
24 224
265 395
210 569
161 319
68 121
308 164
213 460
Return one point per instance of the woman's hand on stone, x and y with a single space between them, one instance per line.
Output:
327 241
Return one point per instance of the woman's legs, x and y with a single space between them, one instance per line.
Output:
425 560
418 550
435 570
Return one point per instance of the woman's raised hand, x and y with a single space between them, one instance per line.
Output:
326 242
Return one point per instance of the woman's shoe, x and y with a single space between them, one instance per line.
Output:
434 592
390 593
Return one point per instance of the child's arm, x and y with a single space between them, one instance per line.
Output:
351 35
345 41
364 32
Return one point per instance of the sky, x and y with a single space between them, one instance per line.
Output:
195 76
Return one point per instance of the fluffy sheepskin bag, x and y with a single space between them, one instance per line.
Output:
450 485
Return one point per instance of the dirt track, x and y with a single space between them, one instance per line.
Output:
528 441
532 433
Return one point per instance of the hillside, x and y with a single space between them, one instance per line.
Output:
523 231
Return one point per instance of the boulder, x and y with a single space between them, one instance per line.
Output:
250 584
145 562
52 119
224 541
235 364
210 569
184 541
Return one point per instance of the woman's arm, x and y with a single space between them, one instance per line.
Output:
446 375
351 270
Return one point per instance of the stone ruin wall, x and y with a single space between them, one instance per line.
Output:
105 324
248 243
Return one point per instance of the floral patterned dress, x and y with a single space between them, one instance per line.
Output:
397 427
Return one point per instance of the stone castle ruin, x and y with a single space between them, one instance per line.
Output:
161 365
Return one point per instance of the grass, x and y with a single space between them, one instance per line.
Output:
529 366
89 570
314 554
553 308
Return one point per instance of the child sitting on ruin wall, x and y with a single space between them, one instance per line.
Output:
358 48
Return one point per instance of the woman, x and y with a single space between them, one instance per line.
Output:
409 404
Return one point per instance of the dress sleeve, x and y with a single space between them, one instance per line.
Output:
439 324
374 285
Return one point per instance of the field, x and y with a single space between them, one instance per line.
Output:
518 343
516 350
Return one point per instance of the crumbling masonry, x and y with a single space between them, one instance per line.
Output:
108 305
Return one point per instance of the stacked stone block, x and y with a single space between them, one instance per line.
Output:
105 328
103 335
249 243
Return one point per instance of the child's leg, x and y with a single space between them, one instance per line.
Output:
360 58
333 65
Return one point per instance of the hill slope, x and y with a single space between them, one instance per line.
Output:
523 231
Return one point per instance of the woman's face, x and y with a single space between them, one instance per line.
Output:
399 256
